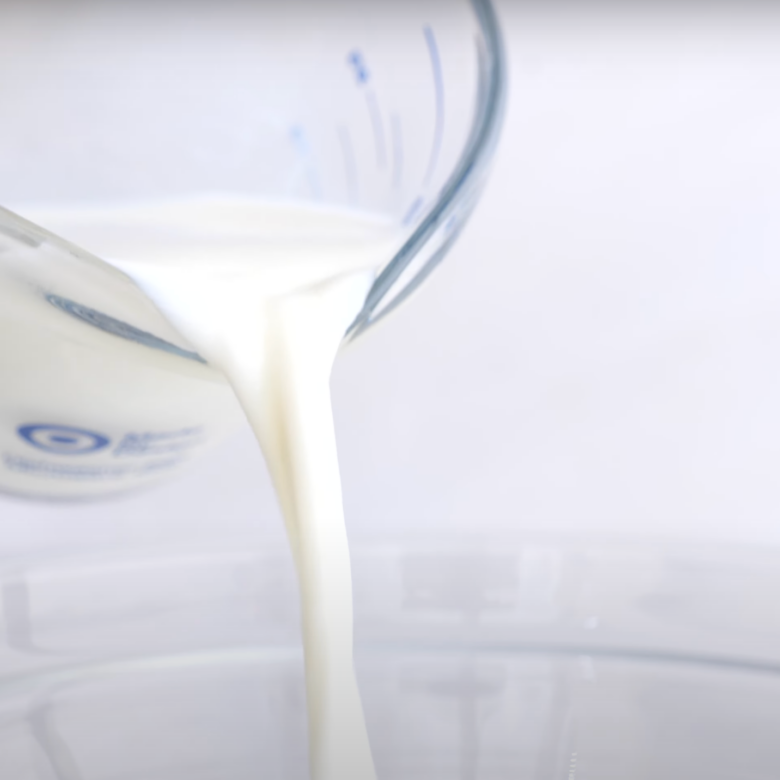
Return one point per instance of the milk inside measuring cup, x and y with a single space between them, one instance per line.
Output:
265 292
93 402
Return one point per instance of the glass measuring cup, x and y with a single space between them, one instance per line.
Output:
387 108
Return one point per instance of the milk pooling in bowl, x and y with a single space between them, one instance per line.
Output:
265 292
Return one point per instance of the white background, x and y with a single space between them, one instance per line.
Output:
599 354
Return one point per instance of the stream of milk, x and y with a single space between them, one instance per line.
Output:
265 292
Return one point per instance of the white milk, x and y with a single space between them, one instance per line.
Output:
265 292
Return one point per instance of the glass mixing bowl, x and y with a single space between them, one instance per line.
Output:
517 658
387 108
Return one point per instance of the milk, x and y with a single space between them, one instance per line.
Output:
265 292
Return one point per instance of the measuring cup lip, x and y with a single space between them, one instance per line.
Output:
460 189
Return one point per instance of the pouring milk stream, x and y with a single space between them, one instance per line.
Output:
265 291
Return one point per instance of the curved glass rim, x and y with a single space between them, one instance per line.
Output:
448 214
475 159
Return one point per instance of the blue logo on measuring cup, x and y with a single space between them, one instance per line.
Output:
62 439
